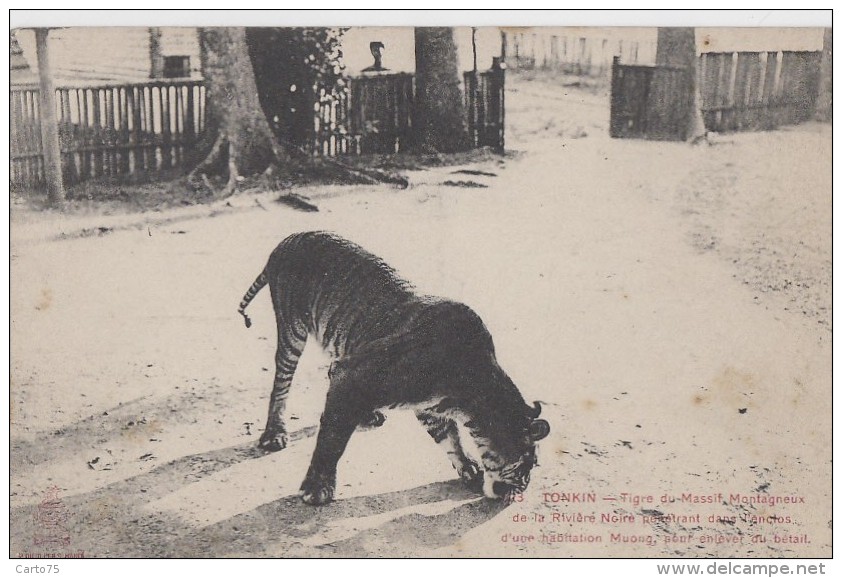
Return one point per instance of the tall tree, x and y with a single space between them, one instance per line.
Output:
238 138
677 48
241 141
440 119
290 66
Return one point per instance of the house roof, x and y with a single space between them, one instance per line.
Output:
19 70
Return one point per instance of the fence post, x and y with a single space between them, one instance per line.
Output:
66 138
614 120
471 107
497 102
49 121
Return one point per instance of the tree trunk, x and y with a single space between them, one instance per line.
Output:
156 59
49 121
677 48
284 79
240 140
439 103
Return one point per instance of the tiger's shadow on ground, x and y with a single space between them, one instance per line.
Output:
403 523
113 519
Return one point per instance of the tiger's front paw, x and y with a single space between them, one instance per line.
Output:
273 441
317 491
373 420
471 476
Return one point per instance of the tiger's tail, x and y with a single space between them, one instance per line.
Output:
255 288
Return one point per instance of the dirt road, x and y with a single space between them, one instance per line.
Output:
669 304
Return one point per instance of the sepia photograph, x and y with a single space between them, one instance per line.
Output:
420 291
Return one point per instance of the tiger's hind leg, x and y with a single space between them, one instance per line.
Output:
445 433
291 341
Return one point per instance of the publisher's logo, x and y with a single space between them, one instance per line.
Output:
51 517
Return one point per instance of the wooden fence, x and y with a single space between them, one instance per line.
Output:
740 91
374 114
758 90
486 107
332 135
122 130
579 52
143 130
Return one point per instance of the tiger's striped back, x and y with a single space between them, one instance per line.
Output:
340 293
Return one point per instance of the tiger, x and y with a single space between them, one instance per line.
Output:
392 347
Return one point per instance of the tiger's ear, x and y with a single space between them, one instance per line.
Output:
539 429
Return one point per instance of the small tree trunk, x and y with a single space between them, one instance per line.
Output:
156 59
49 121
677 47
439 105
242 142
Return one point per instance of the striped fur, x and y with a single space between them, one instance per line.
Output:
258 284
391 348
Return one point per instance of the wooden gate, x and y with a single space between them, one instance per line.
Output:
485 104
381 112
649 102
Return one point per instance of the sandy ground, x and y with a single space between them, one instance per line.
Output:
670 304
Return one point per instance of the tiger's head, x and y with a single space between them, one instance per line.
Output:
508 454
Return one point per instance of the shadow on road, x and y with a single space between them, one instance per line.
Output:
113 522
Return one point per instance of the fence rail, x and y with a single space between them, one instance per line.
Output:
114 130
